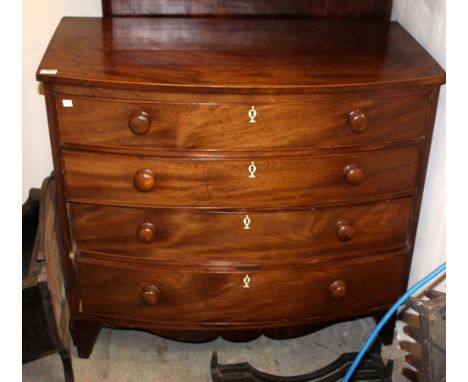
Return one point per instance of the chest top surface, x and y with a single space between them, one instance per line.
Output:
236 54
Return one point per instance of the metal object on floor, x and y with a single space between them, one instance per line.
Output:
45 307
430 334
371 369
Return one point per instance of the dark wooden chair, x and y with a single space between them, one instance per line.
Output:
46 314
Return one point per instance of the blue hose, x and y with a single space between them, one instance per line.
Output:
370 340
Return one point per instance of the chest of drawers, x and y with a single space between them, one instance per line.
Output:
236 177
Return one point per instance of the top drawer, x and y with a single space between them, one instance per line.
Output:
361 119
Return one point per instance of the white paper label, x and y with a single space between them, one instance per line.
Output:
48 71
67 103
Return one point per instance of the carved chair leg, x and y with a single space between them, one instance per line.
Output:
388 331
85 336
67 366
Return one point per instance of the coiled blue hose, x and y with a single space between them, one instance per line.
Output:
370 340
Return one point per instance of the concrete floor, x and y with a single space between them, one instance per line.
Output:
133 356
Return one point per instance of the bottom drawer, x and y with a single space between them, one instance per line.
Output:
214 296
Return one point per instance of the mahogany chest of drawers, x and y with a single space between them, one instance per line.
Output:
236 177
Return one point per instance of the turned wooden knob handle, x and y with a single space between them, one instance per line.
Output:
344 230
146 232
357 121
150 295
144 180
338 290
140 123
353 174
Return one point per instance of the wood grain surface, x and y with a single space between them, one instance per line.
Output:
109 179
50 255
212 126
262 55
206 237
158 164
315 9
217 297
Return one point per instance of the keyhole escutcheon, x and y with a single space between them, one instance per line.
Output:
252 170
247 222
252 115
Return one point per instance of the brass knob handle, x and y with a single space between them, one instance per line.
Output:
146 232
144 180
338 290
353 174
150 295
344 230
357 121
140 123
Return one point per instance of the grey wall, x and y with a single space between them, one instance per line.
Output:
39 20
425 20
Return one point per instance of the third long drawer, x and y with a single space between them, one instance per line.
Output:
223 237
239 182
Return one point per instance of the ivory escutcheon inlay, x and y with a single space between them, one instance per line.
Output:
246 281
247 222
252 115
252 170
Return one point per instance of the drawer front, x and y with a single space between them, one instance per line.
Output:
221 237
176 295
211 126
254 182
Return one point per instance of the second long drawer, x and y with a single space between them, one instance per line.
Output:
221 237
236 183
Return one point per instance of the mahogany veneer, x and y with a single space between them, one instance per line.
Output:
314 9
218 297
236 176
211 236
186 182
196 126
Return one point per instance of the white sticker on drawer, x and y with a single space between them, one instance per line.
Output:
67 103
48 71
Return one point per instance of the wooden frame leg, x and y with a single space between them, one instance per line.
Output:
67 366
388 331
85 334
